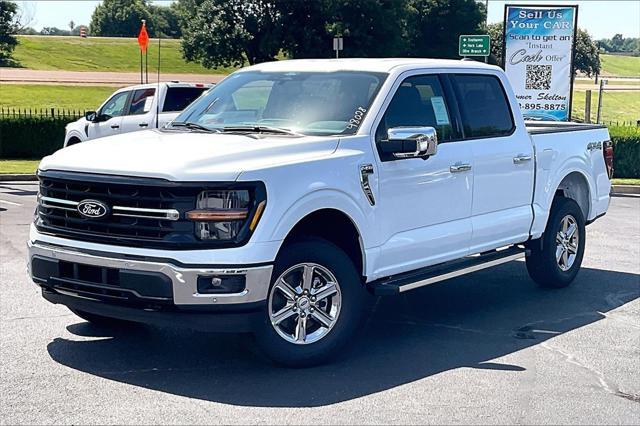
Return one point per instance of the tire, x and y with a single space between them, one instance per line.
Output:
330 322
543 265
99 320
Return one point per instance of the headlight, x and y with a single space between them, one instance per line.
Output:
222 214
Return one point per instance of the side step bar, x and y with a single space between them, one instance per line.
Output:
443 271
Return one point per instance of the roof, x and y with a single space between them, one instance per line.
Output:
385 65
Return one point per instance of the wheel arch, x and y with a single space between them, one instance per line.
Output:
335 226
575 185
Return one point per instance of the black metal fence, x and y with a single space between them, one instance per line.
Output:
63 113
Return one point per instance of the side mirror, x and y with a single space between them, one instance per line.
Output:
90 115
411 142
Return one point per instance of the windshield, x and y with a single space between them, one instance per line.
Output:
311 103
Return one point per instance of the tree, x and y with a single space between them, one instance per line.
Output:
309 37
8 27
496 34
371 28
120 18
230 32
54 31
434 26
165 20
71 25
587 56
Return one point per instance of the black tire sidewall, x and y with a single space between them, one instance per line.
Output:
551 274
355 300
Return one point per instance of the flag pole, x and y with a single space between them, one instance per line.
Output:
158 90
141 80
146 64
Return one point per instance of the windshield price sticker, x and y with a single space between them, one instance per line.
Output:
538 59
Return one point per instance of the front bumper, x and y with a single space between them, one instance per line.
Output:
113 285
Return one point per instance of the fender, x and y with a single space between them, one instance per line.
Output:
321 199
73 134
545 192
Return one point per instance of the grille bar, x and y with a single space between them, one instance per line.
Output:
167 214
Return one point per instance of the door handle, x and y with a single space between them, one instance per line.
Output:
521 158
143 124
115 126
459 167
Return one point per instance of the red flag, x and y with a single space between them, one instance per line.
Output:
143 38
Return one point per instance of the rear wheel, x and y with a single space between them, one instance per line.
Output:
315 304
556 260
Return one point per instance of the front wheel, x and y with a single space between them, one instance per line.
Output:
556 260
315 304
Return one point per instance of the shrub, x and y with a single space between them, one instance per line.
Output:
626 150
31 137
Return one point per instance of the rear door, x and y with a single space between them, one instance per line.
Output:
503 162
141 112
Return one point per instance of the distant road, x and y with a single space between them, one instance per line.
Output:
92 78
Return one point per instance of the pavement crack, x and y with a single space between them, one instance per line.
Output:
601 379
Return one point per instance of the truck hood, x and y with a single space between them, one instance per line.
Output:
185 156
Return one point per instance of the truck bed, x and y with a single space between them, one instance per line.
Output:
544 127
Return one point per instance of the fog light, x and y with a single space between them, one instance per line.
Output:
221 284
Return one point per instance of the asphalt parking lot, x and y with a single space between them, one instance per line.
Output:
485 348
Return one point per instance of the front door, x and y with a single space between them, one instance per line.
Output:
424 207
112 110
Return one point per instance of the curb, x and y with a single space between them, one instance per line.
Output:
17 177
625 189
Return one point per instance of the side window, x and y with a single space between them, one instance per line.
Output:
115 106
178 98
483 106
141 101
419 101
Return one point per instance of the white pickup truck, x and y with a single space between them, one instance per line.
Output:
134 108
289 195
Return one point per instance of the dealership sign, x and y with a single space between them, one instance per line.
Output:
539 42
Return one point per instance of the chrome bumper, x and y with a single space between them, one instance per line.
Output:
183 279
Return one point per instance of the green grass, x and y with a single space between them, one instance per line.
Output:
102 54
625 181
38 96
617 106
18 166
620 66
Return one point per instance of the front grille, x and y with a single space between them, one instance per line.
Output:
142 212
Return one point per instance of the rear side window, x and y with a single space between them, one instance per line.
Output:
178 98
141 101
483 106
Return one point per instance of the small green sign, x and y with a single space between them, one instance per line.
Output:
474 45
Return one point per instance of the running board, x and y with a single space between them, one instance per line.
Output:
443 271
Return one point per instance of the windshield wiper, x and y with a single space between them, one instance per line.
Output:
259 129
194 126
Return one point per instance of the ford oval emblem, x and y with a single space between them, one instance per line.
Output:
92 209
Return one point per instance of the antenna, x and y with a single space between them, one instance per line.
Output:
158 95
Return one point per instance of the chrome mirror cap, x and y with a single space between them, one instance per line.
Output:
426 139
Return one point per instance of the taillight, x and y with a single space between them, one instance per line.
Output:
607 150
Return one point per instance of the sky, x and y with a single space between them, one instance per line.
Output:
601 18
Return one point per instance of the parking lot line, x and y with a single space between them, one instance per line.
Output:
10 202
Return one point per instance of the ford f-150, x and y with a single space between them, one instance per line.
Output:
287 197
